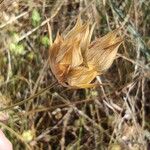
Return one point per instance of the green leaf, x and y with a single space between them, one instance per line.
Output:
36 18
17 49
31 56
45 41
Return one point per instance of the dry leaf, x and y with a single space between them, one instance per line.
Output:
75 62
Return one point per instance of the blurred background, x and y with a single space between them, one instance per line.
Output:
115 116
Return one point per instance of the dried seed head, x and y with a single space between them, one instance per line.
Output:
75 62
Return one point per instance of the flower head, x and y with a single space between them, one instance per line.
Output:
75 61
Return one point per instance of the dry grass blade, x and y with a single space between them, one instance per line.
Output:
30 98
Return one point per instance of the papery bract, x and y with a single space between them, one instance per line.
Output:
75 61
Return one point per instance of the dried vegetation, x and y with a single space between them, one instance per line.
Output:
38 113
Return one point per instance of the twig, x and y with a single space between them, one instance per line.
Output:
30 98
13 19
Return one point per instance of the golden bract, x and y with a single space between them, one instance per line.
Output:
75 61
